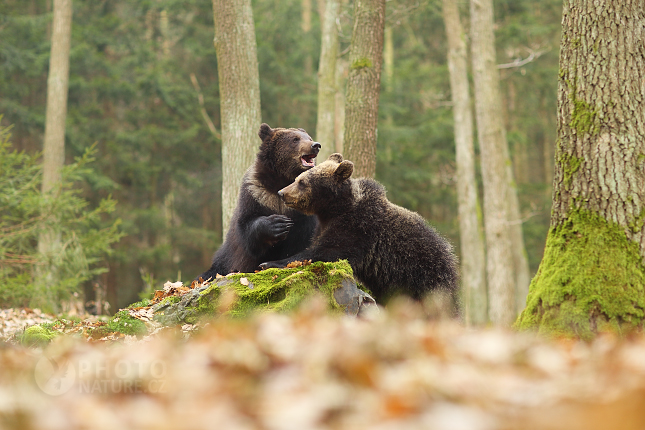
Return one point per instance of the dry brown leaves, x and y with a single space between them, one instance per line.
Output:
297 263
309 370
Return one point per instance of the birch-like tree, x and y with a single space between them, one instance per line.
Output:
327 80
473 260
54 141
239 88
592 275
363 86
494 161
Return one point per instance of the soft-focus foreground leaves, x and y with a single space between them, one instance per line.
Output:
310 370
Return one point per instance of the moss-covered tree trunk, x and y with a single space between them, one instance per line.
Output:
239 91
327 80
363 86
473 260
592 275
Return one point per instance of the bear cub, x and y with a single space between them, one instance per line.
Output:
391 249
262 227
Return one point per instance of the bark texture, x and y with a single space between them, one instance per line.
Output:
473 260
239 86
363 86
327 80
494 160
592 275
54 141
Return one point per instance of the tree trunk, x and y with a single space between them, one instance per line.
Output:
363 85
494 159
592 276
473 260
342 70
327 80
57 84
54 141
239 86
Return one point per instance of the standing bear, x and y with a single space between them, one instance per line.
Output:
262 227
391 249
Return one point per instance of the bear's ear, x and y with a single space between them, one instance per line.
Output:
344 170
336 157
265 132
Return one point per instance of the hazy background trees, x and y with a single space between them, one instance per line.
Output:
132 91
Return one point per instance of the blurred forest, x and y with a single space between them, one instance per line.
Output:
143 87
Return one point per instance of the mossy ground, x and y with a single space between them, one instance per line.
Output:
38 335
278 290
591 280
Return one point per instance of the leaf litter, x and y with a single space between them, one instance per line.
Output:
395 369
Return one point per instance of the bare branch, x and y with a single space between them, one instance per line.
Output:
533 55
200 98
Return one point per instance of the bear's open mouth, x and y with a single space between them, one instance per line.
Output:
308 160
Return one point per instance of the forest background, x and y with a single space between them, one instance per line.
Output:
143 73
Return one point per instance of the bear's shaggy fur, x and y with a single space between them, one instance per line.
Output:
391 249
262 227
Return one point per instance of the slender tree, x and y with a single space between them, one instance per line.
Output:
592 276
327 80
363 85
55 116
494 159
473 261
239 87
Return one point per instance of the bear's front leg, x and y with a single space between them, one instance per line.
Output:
273 265
273 228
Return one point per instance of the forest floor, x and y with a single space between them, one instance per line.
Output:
395 369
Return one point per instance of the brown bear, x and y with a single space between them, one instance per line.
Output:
262 227
391 249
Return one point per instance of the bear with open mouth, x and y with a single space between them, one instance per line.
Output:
262 227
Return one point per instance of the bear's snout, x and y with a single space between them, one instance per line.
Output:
316 146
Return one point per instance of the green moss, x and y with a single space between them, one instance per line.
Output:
279 290
121 322
583 119
140 304
571 164
591 280
361 63
38 335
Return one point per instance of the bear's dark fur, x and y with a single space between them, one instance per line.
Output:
391 249
262 227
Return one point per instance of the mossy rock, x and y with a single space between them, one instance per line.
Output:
279 290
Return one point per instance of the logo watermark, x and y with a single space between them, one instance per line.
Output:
57 375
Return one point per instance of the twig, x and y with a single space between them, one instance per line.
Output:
519 63
200 98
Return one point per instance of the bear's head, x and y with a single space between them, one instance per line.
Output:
287 151
318 189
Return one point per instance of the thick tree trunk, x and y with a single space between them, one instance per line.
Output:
494 159
327 80
54 141
592 276
363 86
239 86
473 260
